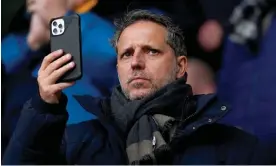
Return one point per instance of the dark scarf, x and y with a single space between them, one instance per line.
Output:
150 124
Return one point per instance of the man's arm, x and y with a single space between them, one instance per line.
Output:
38 135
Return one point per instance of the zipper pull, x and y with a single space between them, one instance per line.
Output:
153 142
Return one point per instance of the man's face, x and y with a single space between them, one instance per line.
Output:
145 61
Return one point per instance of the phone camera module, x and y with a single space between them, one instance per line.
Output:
60 26
55 30
54 23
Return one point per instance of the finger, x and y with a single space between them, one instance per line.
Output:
50 58
57 64
60 72
60 86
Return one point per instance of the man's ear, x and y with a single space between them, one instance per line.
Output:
182 64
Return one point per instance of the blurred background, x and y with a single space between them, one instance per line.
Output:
230 45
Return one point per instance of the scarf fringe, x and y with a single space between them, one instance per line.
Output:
162 155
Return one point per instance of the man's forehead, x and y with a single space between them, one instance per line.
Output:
143 32
145 26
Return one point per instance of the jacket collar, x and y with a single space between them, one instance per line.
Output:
209 110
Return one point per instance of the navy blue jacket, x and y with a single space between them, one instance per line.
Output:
41 137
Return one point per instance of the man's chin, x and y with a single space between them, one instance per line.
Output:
139 94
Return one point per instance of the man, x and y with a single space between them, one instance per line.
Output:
152 117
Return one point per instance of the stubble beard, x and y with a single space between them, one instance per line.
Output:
155 85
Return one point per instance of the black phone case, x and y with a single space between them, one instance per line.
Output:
69 42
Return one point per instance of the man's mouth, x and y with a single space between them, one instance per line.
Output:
138 79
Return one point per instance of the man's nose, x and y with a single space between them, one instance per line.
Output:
138 60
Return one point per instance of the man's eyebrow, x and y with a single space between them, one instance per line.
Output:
127 49
124 49
149 46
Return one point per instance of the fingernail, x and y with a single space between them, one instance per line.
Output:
71 64
68 56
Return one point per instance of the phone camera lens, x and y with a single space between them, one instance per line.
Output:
55 30
55 23
60 26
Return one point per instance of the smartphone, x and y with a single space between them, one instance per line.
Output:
66 35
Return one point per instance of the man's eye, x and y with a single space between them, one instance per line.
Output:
153 51
126 54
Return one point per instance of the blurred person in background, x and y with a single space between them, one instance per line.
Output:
210 35
95 49
247 78
200 77
98 55
22 50
95 32
151 117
